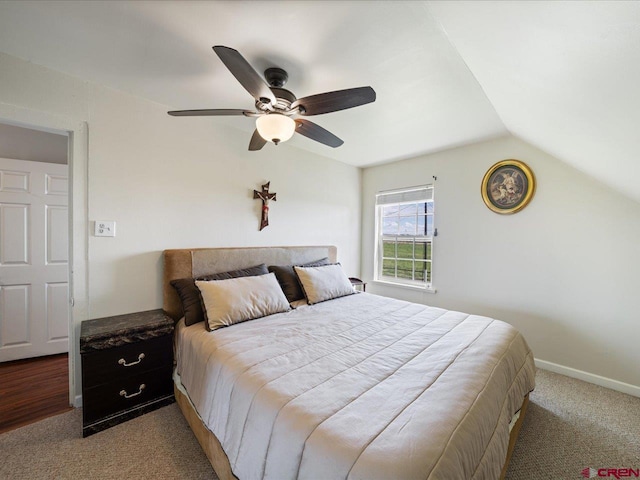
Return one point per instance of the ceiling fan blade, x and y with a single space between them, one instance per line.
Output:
257 142
334 101
209 112
317 133
245 74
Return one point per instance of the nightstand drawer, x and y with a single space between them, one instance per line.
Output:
102 366
124 393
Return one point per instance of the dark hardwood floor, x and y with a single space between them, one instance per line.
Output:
33 389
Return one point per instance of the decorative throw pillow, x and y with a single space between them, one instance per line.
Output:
324 283
289 281
190 295
239 299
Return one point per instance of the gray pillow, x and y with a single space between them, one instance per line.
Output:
240 299
324 283
288 279
190 295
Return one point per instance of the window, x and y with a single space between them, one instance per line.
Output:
404 233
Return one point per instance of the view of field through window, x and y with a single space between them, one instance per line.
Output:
407 231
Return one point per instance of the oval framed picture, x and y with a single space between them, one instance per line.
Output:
508 186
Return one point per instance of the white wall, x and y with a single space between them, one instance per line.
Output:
179 183
564 270
187 182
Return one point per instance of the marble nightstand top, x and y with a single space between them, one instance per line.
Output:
109 332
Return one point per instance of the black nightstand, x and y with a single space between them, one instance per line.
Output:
356 282
127 364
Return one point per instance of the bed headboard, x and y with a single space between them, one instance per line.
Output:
194 262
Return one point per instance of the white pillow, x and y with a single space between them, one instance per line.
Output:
235 300
323 283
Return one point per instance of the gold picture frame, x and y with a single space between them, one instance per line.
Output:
508 186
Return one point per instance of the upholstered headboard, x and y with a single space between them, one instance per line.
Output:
194 262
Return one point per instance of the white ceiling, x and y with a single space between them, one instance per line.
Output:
563 76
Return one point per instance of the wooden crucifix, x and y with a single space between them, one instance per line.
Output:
266 197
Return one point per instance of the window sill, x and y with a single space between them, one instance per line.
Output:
430 289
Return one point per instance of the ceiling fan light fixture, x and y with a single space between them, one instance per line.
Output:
275 127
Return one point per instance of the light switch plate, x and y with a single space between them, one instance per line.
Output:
105 228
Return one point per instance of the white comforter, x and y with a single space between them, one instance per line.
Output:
359 387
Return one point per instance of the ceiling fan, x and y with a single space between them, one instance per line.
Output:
275 106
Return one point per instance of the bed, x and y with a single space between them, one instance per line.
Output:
360 386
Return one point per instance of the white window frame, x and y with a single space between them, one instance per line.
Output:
399 197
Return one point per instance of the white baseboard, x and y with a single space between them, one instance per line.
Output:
589 377
78 401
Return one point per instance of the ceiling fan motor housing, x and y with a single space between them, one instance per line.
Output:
277 78
284 98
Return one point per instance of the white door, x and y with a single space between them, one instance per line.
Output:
34 288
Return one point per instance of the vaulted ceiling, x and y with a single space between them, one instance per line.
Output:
562 76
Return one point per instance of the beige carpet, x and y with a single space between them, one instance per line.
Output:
158 445
570 425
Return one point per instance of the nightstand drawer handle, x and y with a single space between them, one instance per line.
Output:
123 393
122 361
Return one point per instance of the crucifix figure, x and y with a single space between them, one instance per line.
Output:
266 197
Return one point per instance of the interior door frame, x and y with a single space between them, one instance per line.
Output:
77 154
